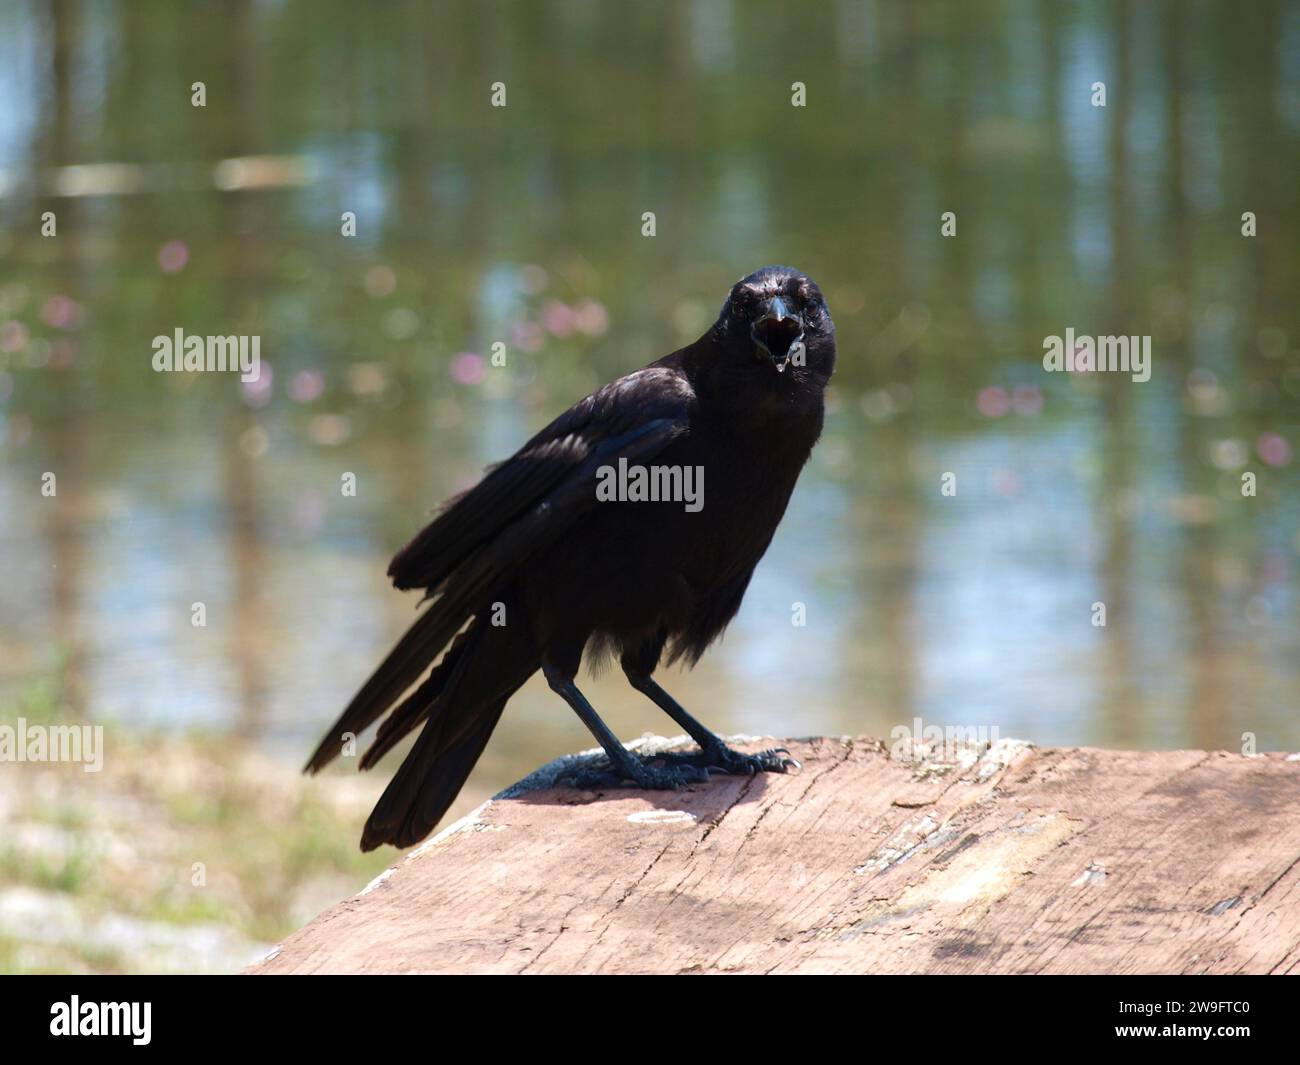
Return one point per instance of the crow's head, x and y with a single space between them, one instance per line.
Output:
777 315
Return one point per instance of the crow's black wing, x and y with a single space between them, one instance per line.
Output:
633 417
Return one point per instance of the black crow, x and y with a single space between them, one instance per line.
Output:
537 563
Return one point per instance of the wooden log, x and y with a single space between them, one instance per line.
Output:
1010 860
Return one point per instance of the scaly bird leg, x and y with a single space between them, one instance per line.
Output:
714 754
624 765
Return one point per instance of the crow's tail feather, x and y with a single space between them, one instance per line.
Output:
414 652
491 665
415 707
427 784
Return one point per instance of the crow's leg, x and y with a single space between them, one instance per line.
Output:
624 765
714 754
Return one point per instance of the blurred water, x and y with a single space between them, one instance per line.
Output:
523 225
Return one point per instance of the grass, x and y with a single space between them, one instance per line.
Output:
184 854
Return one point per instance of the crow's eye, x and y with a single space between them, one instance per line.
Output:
742 303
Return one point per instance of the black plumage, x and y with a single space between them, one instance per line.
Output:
533 546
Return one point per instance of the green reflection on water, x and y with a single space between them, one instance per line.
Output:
522 225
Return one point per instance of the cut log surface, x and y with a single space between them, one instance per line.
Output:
1003 859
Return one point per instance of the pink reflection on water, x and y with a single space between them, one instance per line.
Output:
1273 449
993 402
306 386
13 336
61 312
528 336
558 318
1027 399
591 317
468 368
173 256
257 393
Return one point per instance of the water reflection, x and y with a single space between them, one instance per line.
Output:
521 226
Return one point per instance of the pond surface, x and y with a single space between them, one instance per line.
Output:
523 225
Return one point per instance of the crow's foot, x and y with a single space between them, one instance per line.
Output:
646 777
722 759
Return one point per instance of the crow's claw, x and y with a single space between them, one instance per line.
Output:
723 759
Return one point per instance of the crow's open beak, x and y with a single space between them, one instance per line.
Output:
776 331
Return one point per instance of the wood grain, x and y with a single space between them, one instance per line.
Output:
1009 860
